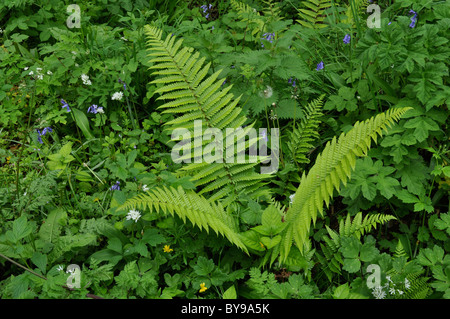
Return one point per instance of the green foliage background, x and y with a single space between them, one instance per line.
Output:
364 147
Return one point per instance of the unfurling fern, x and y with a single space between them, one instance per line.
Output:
305 132
193 94
332 167
332 258
197 209
313 13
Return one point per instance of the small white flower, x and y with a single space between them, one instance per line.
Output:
389 278
117 96
123 39
145 188
25 68
60 268
134 215
100 110
49 72
392 291
40 77
31 73
400 292
407 283
85 79
1 31
38 70
291 197
378 293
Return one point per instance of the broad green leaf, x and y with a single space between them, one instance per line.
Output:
50 230
230 293
83 123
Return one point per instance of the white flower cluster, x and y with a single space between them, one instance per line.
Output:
117 96
379 293
85 79
134 215
38 74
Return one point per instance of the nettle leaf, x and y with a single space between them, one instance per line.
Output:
20 229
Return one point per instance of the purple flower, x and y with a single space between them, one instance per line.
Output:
292 81
413 18
319 66
39 137
115 187
92 109
65 105
123 83
46 129
347 39
206 8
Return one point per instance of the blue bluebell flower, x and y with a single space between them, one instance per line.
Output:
123 83
268 37
39 137
413 18
292 81
92 109
347 39
46 129
206 9
65 105
319 66
115 187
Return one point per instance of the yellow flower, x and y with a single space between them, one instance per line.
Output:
167 249
7 159
262 245
202 287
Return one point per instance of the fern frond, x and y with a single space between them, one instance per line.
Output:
307 131
250 15
355 10
332 167
190 91
312 14
200 211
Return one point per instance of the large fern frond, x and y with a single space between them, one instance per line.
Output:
193 94
332 167
306 131
200 211
312 14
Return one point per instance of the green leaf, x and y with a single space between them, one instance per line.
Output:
153 237
50 230
204 266
83 123
422 126
21 228
230 293
443 223
40 260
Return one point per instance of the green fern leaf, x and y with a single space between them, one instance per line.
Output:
332 167
200 211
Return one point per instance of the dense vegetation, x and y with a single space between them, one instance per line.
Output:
352 106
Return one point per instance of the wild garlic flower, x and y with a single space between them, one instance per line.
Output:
378 293
145 188
85 79
117 96
60 268
134 215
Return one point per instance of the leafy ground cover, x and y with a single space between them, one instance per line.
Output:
349 98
